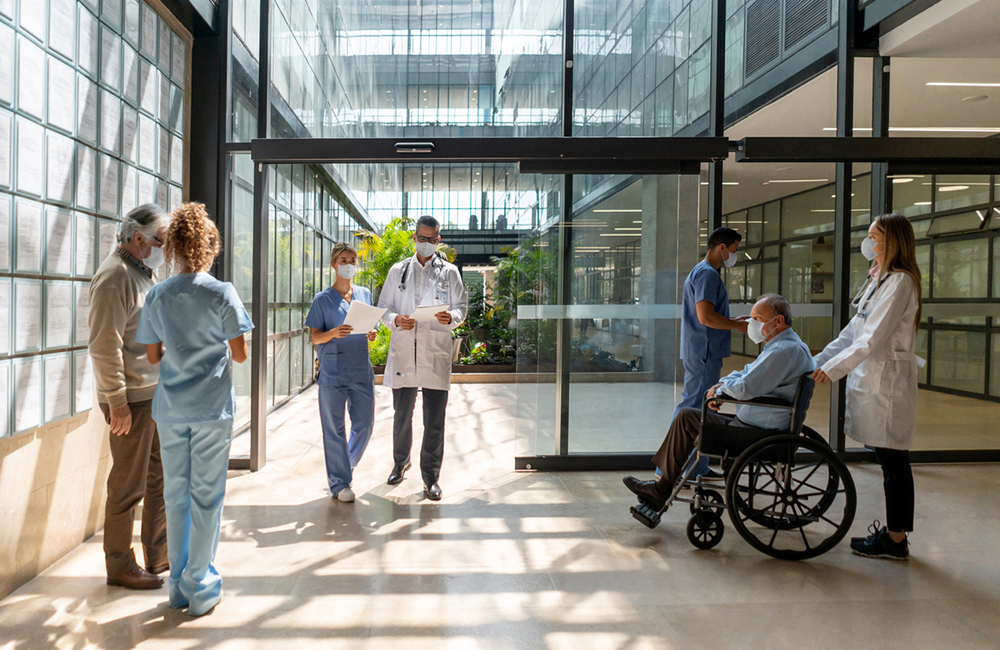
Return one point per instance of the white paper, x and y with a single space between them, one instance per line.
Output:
128 202
4 231
30 151
176 198
111 58
81 331
59 168
7 8
58 386
362 317
27 393
161 194
30 77
84 245
84 383
163 149
147 188
147 142
132 21
426 313
58 242
179 56
58 314
148 81
163 60
62 107
111 113
32 18
6 130
28 228
62 27
109 185
86 105
27 315
107 239
130 139
86 48
111 10
4 396
4 321
176 159
86 177
6 64
164 96
130 67
149 19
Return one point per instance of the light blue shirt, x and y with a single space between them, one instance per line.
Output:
193 315
344 361
775 373
699 341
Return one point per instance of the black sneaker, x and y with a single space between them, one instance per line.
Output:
880 545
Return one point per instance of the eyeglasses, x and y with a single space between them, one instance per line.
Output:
159 241
427 240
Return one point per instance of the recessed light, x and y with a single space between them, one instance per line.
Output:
922 203
902 180
964 84
799 180
953 188
975 98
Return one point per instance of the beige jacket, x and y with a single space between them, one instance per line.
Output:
122 373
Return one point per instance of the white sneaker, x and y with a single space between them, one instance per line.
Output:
346 495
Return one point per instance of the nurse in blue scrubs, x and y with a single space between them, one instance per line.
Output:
346 379
193 326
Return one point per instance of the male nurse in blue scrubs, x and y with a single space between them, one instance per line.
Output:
705 323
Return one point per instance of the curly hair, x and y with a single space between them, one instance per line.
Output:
193 241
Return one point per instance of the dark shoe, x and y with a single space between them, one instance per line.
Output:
397 473
157 570
433 492
712 475
137 578
880 545
646 491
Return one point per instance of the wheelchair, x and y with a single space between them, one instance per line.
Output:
787 493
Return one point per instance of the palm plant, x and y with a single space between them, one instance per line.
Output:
395 244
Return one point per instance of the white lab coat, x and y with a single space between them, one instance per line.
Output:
421 357
876 354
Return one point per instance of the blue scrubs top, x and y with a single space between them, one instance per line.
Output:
698 341
345 361
193 315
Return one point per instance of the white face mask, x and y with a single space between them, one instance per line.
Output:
426 249
868 249
730 261
347 271
155 259
755 330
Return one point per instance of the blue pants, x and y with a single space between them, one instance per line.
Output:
699 376
195 461
343 453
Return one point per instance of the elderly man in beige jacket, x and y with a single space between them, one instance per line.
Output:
125 381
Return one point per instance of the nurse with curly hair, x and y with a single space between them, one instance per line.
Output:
193 326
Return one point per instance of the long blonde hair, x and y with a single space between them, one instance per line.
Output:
900 254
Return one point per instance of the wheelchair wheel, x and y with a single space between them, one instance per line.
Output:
705 529
790 497
709 496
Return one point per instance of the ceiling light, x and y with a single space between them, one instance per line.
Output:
800 180
637 222
617 234
964 84
982 215
953 188
628 228
902 180
922 203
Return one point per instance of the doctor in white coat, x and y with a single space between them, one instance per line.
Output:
420 353
876 354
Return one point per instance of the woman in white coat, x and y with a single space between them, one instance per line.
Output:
876 354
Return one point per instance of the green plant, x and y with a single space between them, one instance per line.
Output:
478 355
381 251
378 350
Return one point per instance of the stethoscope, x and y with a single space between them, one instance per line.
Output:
435 262
864 298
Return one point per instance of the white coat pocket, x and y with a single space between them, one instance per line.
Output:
870 376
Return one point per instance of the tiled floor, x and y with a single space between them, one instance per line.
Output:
525 560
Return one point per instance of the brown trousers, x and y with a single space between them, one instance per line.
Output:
681 439
136 475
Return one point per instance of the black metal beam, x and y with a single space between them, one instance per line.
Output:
931 151
717 110
466 150
610 166
881 188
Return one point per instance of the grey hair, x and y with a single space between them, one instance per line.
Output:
148 219
778 306
427 221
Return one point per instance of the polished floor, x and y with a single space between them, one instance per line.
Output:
524 560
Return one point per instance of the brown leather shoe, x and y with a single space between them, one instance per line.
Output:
158 569
137 578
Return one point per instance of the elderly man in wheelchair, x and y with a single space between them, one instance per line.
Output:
787 483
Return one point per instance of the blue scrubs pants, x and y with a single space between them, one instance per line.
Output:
195 461
343 453
699 376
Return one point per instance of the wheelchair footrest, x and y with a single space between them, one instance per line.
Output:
646 514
